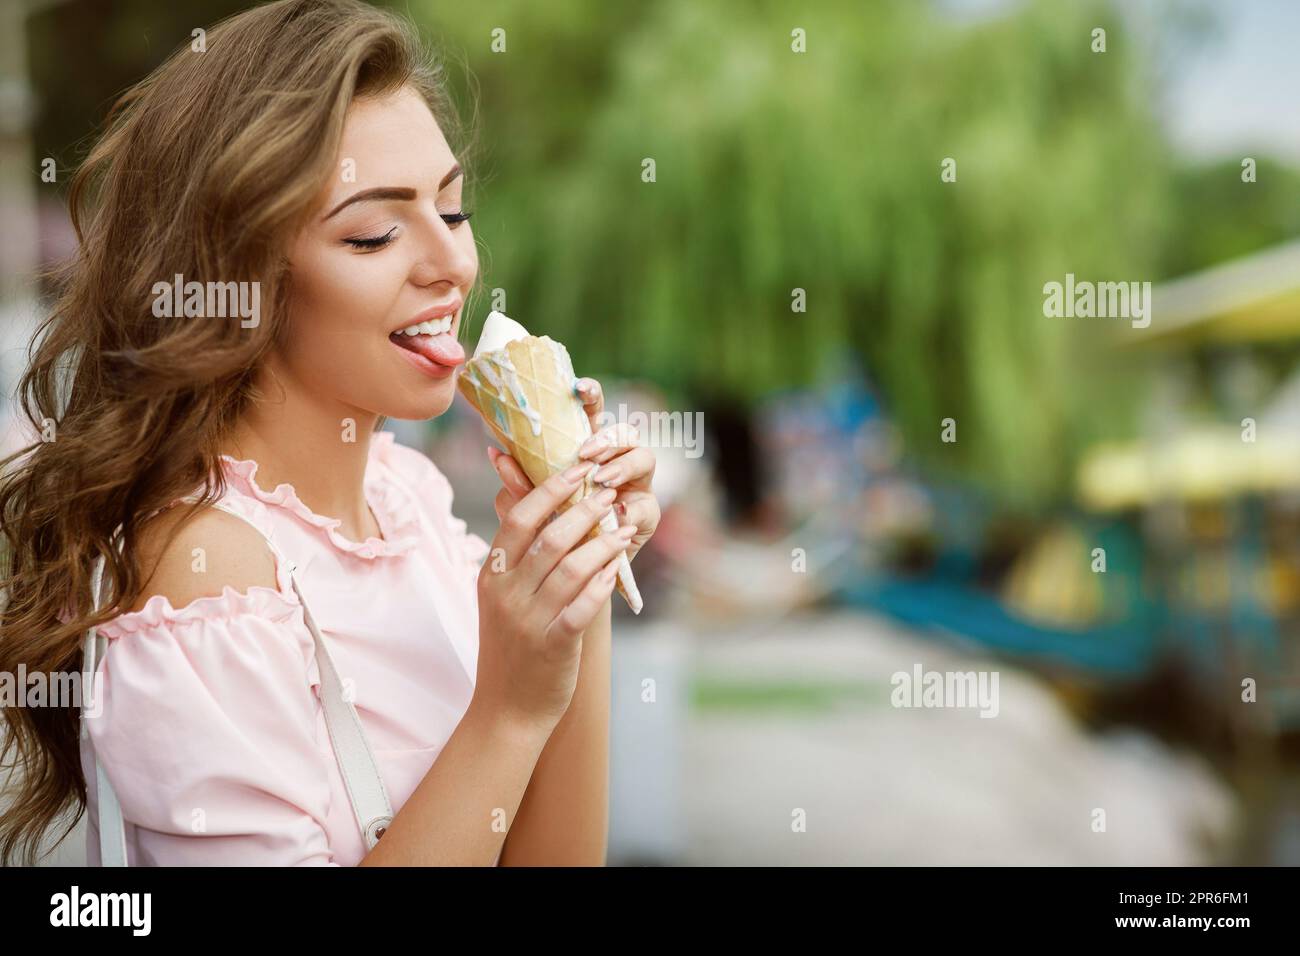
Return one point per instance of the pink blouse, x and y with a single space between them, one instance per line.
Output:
210 729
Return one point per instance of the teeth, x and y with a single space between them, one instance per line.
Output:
431 327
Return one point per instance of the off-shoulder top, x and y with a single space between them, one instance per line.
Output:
208 724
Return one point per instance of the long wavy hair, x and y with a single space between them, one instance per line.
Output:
207 168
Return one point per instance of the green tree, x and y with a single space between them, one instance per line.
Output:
820 170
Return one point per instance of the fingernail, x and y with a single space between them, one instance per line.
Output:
588 447
605 496
580 470
627 531
605 474
610 572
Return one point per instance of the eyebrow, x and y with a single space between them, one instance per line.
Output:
404 193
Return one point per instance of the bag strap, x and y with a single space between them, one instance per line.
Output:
365 786
112 828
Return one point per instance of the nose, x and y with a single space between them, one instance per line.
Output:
444 254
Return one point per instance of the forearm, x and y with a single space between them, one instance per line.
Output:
459 813
564 817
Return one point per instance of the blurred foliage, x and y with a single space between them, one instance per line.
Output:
778 170
1216 217
85 53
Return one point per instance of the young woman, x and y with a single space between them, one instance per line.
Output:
302 150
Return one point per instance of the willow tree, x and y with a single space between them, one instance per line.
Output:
804 149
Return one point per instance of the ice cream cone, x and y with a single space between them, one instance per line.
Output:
525 389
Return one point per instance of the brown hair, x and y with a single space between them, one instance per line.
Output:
207 168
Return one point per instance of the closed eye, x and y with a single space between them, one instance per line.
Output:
372 242
452 219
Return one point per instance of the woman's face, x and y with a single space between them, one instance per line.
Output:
383 252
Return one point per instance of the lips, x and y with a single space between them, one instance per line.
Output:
431 318
429 342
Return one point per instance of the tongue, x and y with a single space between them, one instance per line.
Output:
441 349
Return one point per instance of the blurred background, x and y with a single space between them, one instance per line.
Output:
877 455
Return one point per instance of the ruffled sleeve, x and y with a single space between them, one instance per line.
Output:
418 472
207 730
473 550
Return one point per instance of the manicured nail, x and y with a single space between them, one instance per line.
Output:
605 496
627 531
579 471
605 474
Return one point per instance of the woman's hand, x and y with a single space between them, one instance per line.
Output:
540 588
625 465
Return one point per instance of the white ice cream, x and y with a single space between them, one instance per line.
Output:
498 330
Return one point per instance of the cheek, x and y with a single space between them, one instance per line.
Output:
341 308
335 330
336 291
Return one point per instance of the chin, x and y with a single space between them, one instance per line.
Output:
433 403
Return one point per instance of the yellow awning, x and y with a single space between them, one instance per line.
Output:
1205 464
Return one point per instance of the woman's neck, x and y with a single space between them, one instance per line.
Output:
319 447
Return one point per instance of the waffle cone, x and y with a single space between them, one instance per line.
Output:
525 393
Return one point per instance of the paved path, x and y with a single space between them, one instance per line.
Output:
719 781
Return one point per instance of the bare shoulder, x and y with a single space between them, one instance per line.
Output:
187 557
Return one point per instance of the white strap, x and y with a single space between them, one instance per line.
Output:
360 772
365 786
112 828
